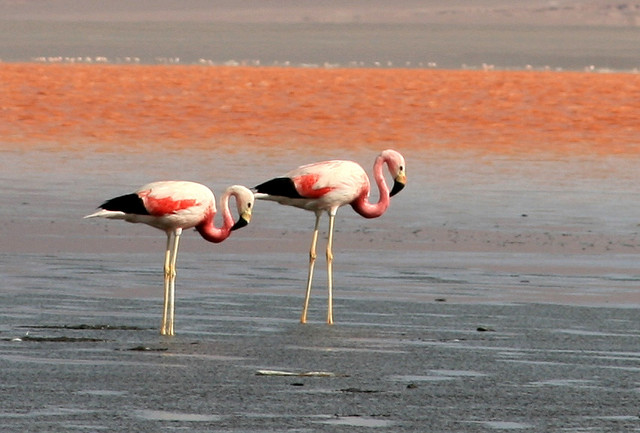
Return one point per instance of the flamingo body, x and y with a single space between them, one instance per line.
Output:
172 206
165 205
325 187
318 186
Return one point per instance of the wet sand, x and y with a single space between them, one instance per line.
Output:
387 366
499 291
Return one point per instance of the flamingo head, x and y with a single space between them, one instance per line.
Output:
397 168
244 201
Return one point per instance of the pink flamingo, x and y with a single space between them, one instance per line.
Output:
325 186
172 206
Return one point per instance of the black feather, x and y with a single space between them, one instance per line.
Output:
280 186
130 203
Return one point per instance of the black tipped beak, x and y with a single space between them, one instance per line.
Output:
239 224
397 187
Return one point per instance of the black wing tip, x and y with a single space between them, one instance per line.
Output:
279 186
129 203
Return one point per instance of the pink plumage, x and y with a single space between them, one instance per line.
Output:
326 186
172 206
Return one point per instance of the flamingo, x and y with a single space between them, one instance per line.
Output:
324 187
172 206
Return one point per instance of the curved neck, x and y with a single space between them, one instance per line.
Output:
207 228
363 206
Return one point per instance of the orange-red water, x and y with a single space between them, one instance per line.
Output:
118 107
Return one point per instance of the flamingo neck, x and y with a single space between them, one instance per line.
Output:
362 205
209 231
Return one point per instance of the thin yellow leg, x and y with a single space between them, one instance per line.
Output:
332 216
167 277
312 261
172 281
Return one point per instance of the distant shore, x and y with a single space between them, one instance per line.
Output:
538 12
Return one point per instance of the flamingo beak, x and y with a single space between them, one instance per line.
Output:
398 183
244 220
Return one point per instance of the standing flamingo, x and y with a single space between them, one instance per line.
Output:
325 186
172 206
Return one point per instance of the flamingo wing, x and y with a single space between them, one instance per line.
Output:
174 197
280 187
313 184
160 206
302 186
337 181
128 204
313 181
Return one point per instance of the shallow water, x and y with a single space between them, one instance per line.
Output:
474 243
561 236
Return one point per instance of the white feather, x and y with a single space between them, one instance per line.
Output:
103 213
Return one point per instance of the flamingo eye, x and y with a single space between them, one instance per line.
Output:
401 168
249 204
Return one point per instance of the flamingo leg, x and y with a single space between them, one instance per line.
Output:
332 216
172 280
312 261
167 277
